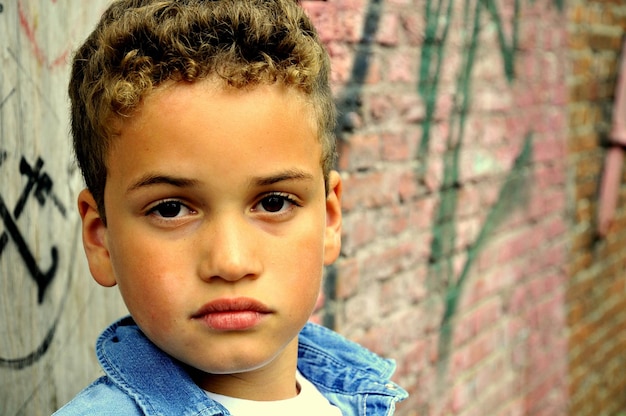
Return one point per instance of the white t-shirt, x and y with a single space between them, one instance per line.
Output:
309 402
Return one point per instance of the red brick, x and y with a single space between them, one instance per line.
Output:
360 151
388 30
401 67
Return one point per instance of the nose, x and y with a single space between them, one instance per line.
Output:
230 250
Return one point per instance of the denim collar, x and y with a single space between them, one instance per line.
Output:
160 385
337 365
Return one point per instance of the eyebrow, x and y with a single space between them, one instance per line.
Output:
287 175
156 179
180 182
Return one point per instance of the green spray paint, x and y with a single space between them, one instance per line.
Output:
438 14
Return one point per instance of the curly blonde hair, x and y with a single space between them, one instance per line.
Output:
140 44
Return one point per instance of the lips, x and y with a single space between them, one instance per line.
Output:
237 314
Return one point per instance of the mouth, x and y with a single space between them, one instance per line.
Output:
234 314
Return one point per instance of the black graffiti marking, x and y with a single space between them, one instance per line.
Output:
4 239
33 357
42 185
5 99
43 189
1 8
43 279
350 100
30 359
33 176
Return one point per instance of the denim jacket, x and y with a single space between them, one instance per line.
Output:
140 379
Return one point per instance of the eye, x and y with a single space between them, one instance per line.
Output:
276 203
273 203
170 209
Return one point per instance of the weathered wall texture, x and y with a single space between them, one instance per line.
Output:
50 310
470 146
596 296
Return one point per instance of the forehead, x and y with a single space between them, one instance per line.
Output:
176 95
200 129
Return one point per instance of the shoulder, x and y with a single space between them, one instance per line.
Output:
101 398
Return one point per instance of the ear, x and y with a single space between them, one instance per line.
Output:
332 238
94 240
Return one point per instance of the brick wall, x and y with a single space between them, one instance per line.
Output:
453 154
596 298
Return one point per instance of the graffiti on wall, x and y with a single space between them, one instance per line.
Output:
349 102
38 185
37 189
512 191
438 16
34 267
48 57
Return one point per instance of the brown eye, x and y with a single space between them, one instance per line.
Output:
273 203
277 203
168 209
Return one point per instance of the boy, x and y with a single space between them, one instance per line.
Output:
204 131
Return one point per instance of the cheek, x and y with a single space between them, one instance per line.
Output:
142 273
129 260
137 254
305 263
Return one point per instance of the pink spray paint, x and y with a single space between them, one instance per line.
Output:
614 159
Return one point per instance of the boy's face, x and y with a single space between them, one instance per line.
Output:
218 226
